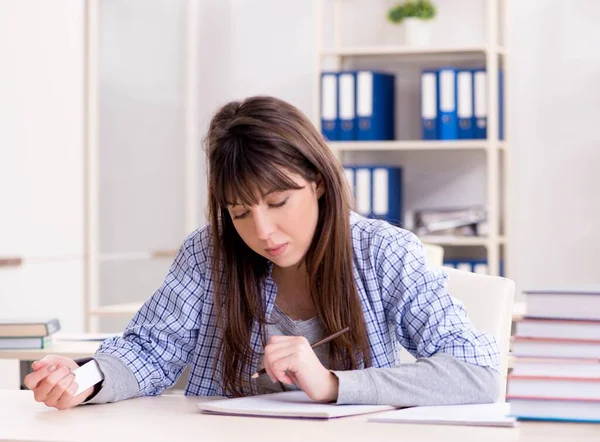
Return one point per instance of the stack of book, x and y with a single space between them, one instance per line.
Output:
27 334
456 221
556 374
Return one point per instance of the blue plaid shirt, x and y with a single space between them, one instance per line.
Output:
403 301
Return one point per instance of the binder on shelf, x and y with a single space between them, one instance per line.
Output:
386 185
362 176
479 266
378 192
448 124
465 266
329 106
347 105
480 103
464 88
429 105
375 105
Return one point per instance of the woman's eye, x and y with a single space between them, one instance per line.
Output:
240 216
280 204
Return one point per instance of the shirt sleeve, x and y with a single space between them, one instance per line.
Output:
426 319
160 339
438 380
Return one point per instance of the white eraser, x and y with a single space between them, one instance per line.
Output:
87 375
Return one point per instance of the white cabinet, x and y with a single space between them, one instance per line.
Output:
41 159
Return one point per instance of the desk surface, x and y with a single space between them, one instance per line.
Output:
172 417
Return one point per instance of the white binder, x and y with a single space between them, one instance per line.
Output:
363 191
381 196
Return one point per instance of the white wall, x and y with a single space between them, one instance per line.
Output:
141 136
553 104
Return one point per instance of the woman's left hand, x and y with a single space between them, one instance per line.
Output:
291 360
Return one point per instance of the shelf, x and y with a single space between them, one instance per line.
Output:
411 145
408 50
458 240
137 256
116 309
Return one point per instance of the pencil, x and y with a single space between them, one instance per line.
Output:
315 345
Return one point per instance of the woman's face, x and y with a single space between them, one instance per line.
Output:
281 226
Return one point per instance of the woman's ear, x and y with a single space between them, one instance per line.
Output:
320 187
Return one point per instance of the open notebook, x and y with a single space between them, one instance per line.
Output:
286 404
495 415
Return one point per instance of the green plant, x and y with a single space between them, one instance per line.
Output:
422 9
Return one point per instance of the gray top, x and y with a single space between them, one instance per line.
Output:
438 380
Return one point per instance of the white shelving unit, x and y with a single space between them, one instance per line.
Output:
490 52
95 306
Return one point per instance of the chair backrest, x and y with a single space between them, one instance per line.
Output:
488 301
434 255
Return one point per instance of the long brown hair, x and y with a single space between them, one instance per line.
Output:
251 145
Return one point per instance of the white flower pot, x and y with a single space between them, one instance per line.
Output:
417 32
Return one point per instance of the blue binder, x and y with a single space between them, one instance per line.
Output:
464 108
479 266
375 105
329 106
448 120
378 192
386 196
480 103
347 105
429 104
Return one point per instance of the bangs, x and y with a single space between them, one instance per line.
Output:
249 173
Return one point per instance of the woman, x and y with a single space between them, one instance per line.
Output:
283 263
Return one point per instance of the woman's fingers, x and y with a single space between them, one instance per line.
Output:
41 372
46 385
59 390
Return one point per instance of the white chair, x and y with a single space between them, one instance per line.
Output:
434 255
489 302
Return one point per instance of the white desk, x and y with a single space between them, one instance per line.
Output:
174 418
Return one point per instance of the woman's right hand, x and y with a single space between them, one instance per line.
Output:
53 382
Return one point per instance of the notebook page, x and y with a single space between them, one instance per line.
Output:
479 415
288 404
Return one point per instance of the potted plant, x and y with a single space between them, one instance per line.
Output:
415 19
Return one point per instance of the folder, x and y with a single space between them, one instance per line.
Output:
465 266
378 192
329 106
429 105
448 124
347 105
362 176
375 105
386 185
464 85
480 103
480 267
